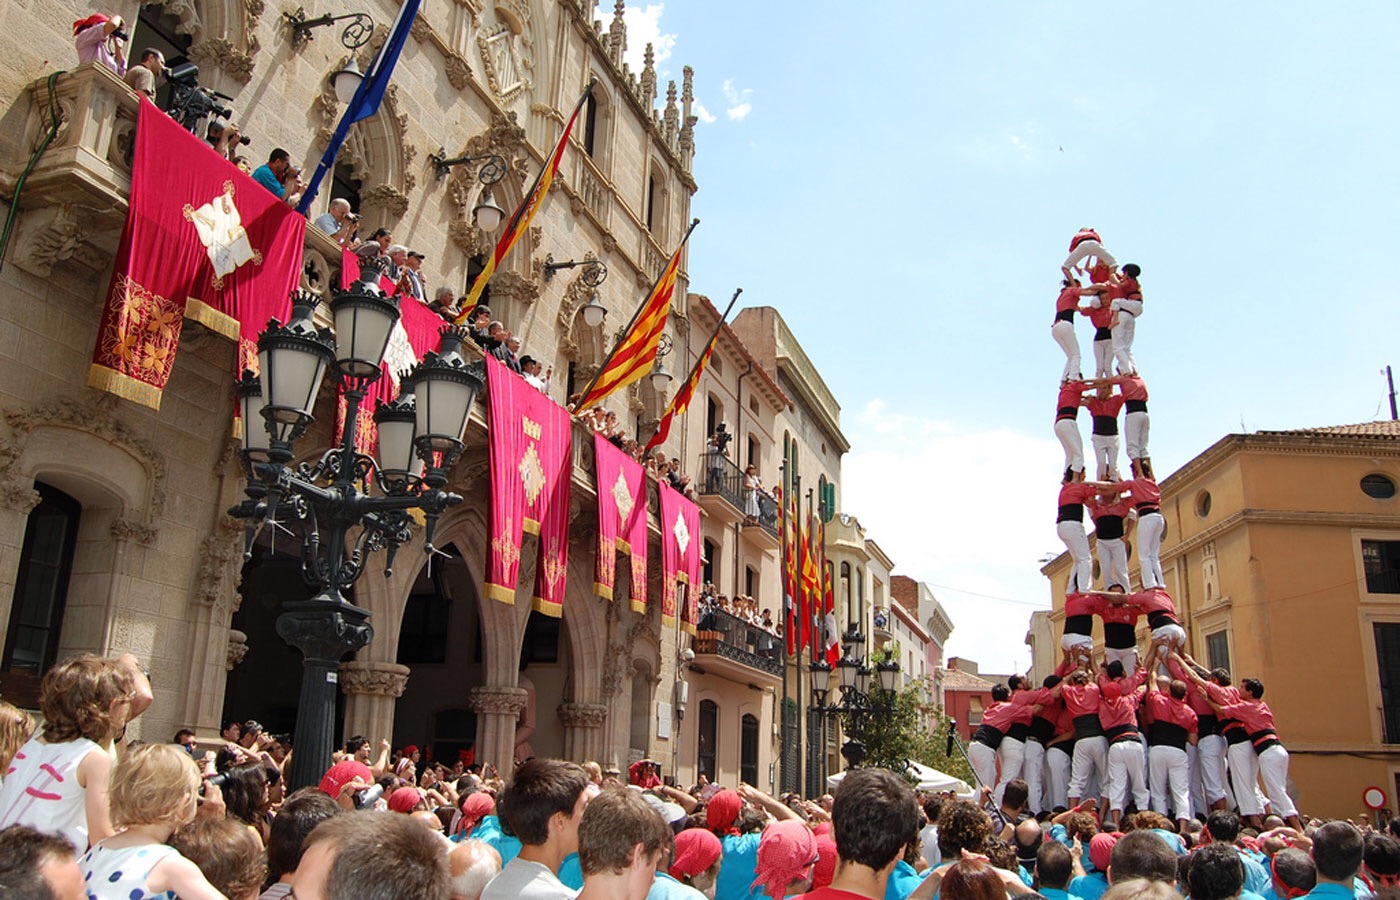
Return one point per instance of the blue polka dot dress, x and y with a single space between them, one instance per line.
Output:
120 874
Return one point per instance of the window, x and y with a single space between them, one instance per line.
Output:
707 738
158 29
846 591
750 584
345 186
1203 504
748 749
454 734
41 589
1388 662
753 452
1381 562
1218 650
590 125
652 191
541 639
707 569
1378 486
423 635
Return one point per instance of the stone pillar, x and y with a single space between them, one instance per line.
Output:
370 689
17 501
583 731
497 707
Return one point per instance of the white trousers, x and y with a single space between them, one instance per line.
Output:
1127 771
1135 428
1057 768
1063 333
1170 780
984 763
1199 806
1273 766
1210 771
1113 562
1081 575
1090 759
1010 755
1105 455
1087 249
1128 656
1244 775
1103 358
1067 430
1033 772
1150 528
1123 328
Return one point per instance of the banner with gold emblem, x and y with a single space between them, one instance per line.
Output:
203 241
531 466
622 521
680 555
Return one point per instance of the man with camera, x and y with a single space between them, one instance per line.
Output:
141 78
226 139
101 39
280 177
339 222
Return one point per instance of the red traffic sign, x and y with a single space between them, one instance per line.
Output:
1374 798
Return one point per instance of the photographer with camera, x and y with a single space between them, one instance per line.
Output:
226 139
280 177
102 39
141 77
339 222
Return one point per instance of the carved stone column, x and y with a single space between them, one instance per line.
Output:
496 708
583 730
370 689
616 733
17 500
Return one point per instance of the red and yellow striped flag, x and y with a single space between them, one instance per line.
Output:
520 219
682 399
632 357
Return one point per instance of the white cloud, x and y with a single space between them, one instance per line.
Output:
703 114
644 27
953 506
737 100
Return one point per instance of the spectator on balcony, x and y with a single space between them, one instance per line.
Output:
398 257
101 39
411 277
279 176
479 323
339 222
225 138
536 374
752 487
141 78
445 304
716 454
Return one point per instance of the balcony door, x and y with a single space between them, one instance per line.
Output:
707 738
41 592
748 749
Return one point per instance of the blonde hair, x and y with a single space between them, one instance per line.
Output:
16 727
154 784
76 698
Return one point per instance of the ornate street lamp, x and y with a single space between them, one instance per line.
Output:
820 674
861 702
345 489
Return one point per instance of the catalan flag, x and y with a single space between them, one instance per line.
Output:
681 401
811 586
520 219
632 356
831 642
791 627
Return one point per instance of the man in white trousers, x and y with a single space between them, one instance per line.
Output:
1119 698
1172 729
1258 721
996 722
1124 297
1210 789
1090 759
1084 246
1239 752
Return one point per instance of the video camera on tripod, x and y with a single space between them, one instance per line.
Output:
190 103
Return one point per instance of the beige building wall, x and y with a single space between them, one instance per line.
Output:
1264 558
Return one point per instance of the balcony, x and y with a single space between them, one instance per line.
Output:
720 488
762 532
882 622
733 648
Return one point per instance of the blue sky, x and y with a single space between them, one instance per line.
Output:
902 179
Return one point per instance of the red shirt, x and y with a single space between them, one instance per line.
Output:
1133 388
1076 492
1109 407
1156 600
1084 234
1254 715
1163 708
1101 315
1101 272
1064 720
1097 509
1142 490
1125 614
830 893
1071 395
1081 700
1079 604
1198 703
1002 716
1068 299
1123 288
1121 710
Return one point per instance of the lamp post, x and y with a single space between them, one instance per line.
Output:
344 490
859 701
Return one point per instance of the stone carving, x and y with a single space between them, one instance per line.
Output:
385 197
420 29
374 678
126 530
504 137
514 287
582 715
222 53
97 416
47 236
508 700
459 72
237 649
613 669
220 559
19 496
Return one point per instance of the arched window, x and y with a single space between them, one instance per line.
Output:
707 738
641 708
748 749
41 591
860 594
846 592
157 29
714 413
656 208
345 185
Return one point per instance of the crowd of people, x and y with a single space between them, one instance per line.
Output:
764 634
86 814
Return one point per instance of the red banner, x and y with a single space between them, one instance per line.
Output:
622 520
531 465
680 555
202 240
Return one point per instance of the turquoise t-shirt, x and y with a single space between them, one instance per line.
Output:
739 868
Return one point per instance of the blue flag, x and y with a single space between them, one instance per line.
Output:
367 96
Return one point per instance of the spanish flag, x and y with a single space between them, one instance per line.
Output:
632 356
520 219
811 586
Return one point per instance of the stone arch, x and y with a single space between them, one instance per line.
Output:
223 37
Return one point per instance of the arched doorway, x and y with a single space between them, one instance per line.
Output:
41 592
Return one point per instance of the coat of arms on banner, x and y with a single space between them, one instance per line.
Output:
220 228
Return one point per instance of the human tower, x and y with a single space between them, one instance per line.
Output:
1092 734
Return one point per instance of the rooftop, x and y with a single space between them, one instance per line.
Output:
958 680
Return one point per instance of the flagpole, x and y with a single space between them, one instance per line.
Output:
781 713
814 773
633 321
696 367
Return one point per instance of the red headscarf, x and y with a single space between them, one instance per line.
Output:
475 807
696 850
94 19
826 861
786 851
721 811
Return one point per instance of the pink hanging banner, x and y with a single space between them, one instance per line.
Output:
680 554
530 472
622 520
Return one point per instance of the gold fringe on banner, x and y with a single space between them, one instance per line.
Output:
218 322
124 386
